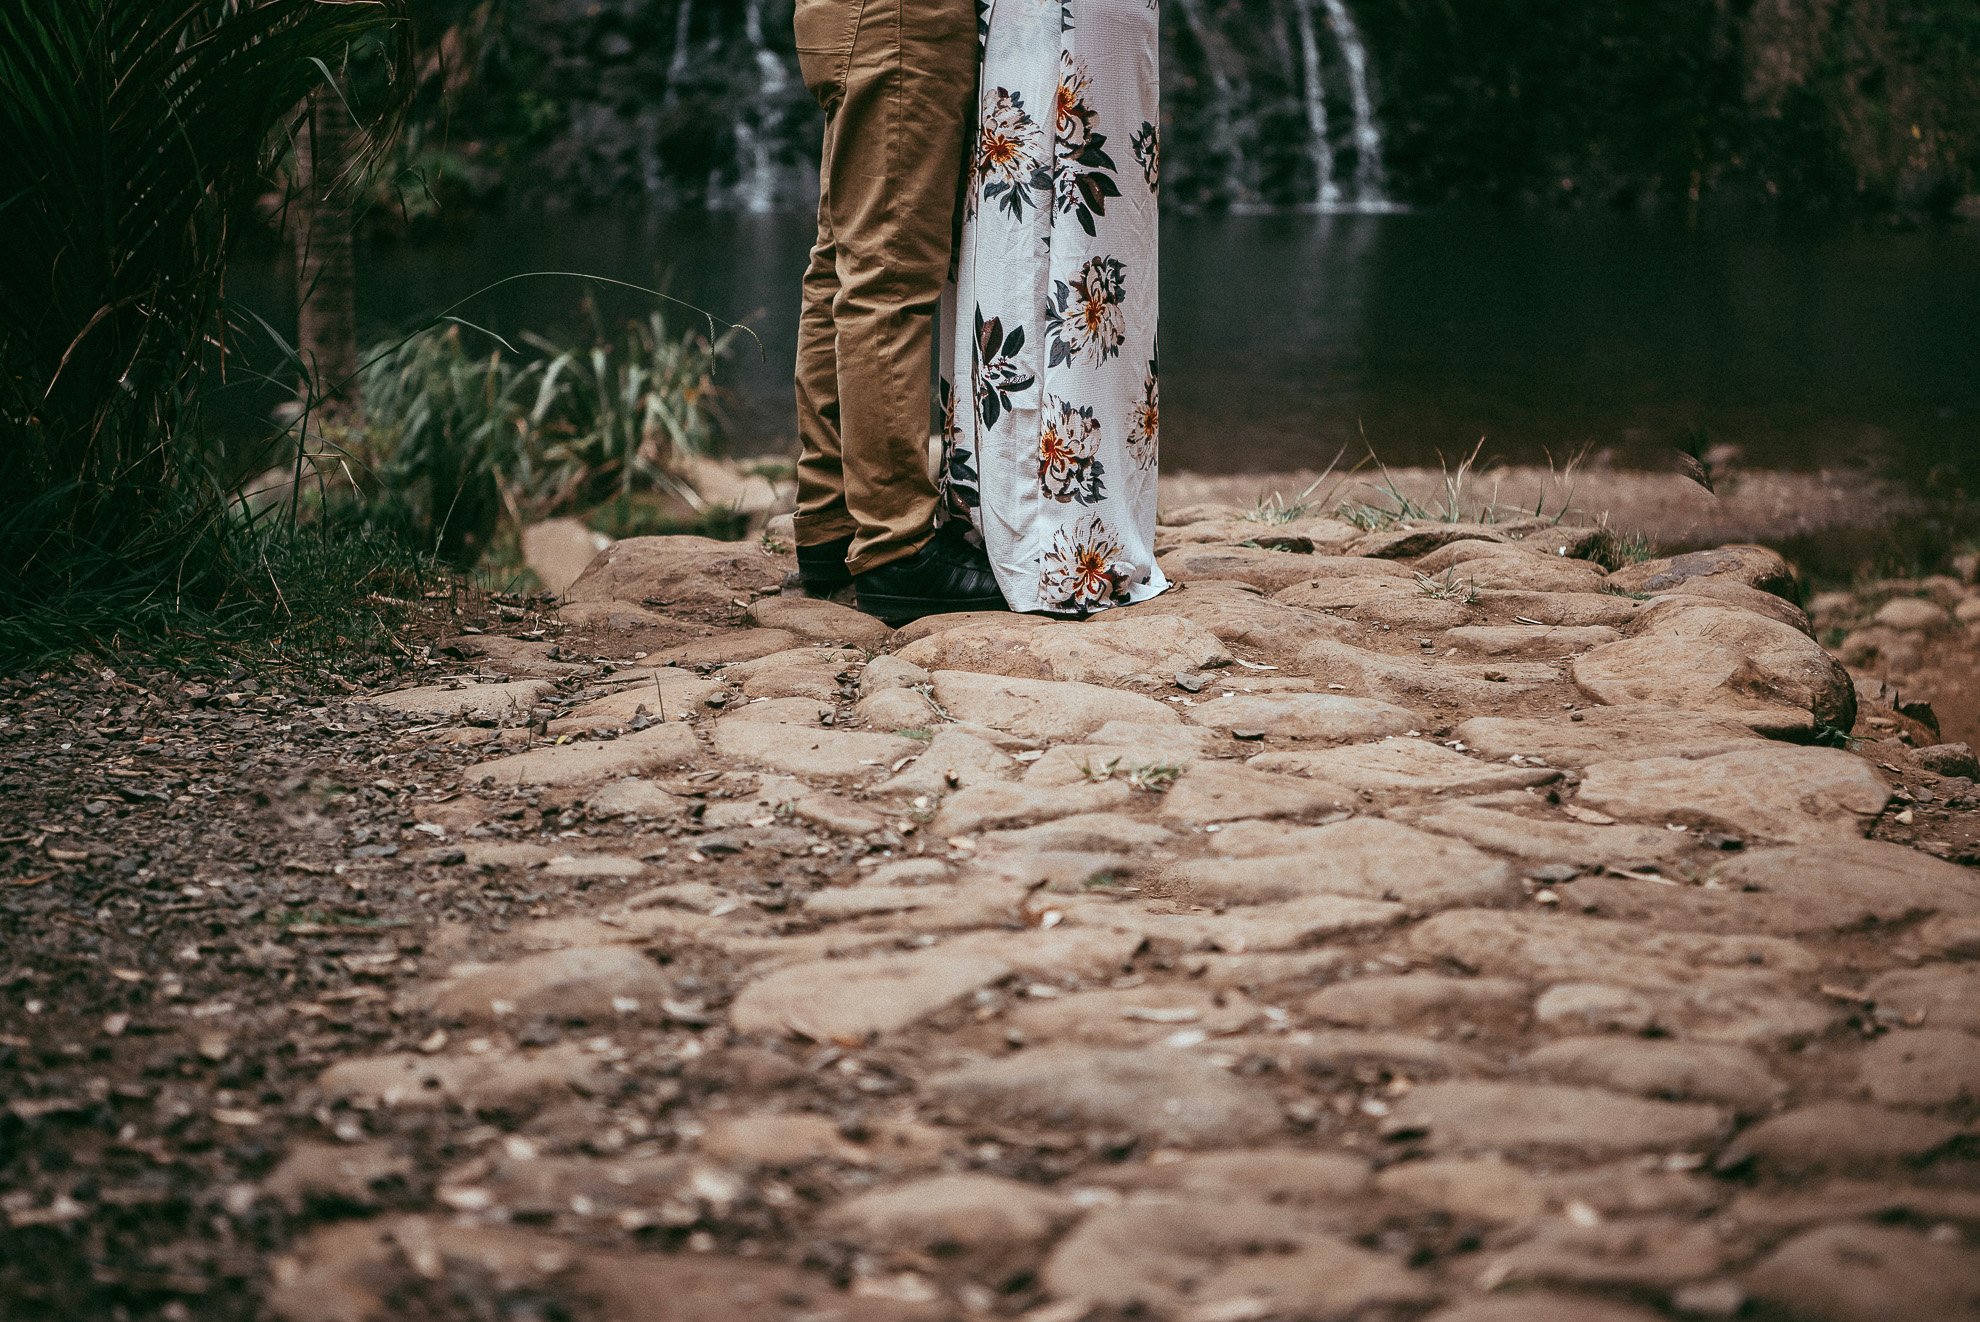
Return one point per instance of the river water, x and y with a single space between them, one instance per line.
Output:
1287 338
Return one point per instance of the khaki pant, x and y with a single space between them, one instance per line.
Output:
897 79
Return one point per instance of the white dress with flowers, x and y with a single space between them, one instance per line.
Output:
1048 362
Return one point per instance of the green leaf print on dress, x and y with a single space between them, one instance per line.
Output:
1079 188
998 372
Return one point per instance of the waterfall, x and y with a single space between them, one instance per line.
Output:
677 64
1326 193
757 190
1368 194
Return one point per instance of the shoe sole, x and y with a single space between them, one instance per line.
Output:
906 610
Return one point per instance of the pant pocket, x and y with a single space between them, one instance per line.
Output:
825 33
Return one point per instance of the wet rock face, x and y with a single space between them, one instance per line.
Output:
1371 951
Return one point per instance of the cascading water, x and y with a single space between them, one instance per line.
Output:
1368 189
757 191
1327 193
1224 144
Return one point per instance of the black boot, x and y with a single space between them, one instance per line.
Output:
947 574
821 571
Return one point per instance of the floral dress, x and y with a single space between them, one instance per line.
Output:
1048 388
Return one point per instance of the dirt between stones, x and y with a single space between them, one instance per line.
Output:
710 966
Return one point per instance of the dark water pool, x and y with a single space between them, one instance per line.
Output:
1287 337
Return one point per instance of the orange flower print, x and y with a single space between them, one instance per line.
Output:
1068 469
1085 315
1010 157
1144 423
1086 568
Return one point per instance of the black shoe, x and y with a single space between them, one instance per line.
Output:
947 574
821 570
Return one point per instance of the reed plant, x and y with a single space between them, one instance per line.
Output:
460 440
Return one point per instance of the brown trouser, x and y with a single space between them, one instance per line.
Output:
897 79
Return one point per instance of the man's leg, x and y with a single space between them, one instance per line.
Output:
824 526
896 147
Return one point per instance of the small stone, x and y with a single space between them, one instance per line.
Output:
508 703
1189 683
1678 1071
1407 999
951 1215
1941 995
581 984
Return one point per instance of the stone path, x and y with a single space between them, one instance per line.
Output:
1340 936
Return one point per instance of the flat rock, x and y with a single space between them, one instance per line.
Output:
1753 566
635 798
1348 1052
351 1174
1524 573
1284 1177
1367 858
1543 1306
729 647
1845 1136
1709 658
1716 1005
1097 838
1925 1067
811 620
952 760
1542 840
1077 764
1802 890
1132 1017
1141 652
1675 1071
1942 995
1043 709
1563 948
849 1000
1528 639
1222 792
590 762
1473 1116
1266 570
1647 1253
1392 766
779 711
1003 804
512 1083
1285 926
506 703
680 571
1606 734
1171 1097
800 751
1772 792
1727 592
1208 1259
1409 541
950 1214
1865 1273
1246 621
597 985
1555 609
1411 681
1407 999
1306 716
665 696
1495 1191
